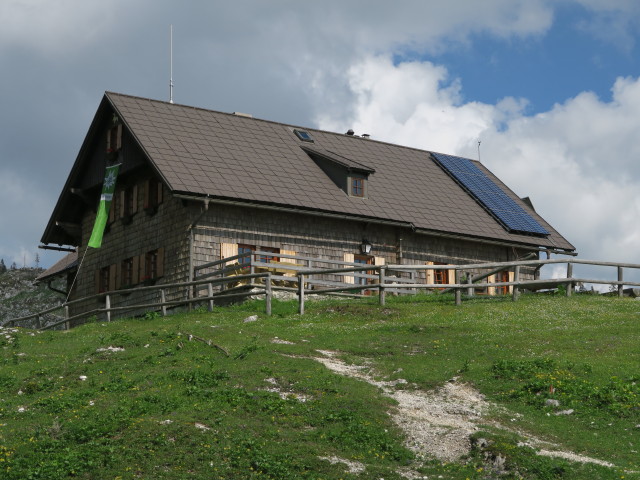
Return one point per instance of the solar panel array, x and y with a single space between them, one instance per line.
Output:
502 207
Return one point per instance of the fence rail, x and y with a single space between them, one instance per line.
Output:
266 277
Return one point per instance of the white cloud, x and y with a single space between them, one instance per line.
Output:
578 161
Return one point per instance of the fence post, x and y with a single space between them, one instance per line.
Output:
301 293
163 299
66 316
470 291
210 294
267 288
569 276
620 279
412 277
458 290
107 306
516 278
38 322
381 291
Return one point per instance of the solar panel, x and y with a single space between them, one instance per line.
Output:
502 207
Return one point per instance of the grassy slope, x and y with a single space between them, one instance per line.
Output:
109 425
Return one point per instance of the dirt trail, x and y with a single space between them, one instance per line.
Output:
438 423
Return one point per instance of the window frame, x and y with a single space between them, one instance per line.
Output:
357 186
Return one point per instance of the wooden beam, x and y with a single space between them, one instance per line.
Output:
82 194
73 229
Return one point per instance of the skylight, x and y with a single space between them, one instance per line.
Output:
303 135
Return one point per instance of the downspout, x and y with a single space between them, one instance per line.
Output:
191 237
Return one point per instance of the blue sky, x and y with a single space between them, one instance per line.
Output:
550 88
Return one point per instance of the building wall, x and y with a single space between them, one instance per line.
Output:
331 238
323 238
166 229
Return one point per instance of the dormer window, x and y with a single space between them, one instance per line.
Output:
114 138
357 186
350 176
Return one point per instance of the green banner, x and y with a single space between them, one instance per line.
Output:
108 187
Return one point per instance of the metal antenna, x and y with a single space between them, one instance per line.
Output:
479 142
171 64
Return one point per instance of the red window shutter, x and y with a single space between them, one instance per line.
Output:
142 275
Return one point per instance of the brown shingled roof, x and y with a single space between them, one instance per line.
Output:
202 152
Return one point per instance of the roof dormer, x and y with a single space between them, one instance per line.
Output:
350 176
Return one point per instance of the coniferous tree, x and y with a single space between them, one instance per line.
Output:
14 266
3 267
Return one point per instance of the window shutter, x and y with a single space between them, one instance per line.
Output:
430 275
119 137
287 260
134 203
135 272
96 281
451 277
228 250
142 276
349 257
112 277
146 187
491 290
160 260
108 140
123 203
112 209
118 275
159 191
512 276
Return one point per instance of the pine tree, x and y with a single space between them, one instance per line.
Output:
3 267
14 266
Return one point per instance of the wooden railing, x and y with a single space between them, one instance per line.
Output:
263 278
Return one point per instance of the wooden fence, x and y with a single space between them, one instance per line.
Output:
254 278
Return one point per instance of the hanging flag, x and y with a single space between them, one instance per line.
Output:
108 187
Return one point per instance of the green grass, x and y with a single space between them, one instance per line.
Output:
170 408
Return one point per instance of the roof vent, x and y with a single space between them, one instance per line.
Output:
240 114
349 132
365 135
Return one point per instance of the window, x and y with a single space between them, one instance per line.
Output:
269 258
152 195
440 276
103 280
127 203
151 265
364 260
357 187
126 269
114 138
245 249
303 135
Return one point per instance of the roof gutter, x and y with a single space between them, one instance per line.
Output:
341 216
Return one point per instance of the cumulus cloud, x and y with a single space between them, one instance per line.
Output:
576 161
